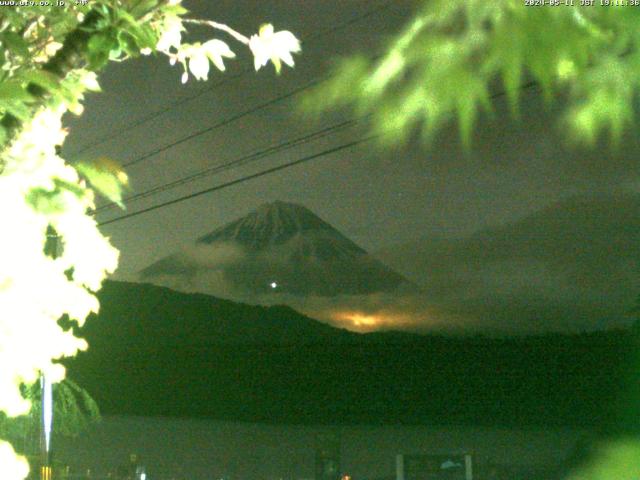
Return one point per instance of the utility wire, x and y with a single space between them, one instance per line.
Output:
149 117
243 160
244 179
224 122
268 171
153 115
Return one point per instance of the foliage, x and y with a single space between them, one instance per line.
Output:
73 410
447 60
49 57
363 380
612 459
39 50
42 46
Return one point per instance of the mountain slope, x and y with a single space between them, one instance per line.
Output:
575 262
158 316
156 352
579 228
279 248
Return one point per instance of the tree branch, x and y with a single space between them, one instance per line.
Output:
72 55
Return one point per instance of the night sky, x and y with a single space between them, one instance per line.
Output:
379 199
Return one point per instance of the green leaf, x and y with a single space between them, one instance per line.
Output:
15 43
43 79
128 43
45 201
106 177
143 7
616 459
99 49
115 53
467 111
51 201
145 36
18 110
175 10
14 90
72 187
73 410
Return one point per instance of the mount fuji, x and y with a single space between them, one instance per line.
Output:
279 248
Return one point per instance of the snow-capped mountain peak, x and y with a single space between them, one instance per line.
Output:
274 224
281 244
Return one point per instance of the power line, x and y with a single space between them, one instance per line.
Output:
222 123
268 171
153 115
243 160
243 179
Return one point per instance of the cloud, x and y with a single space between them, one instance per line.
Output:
191 259
198 268
569 267
214 256
572 266
372 312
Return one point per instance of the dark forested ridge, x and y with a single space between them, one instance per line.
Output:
159 352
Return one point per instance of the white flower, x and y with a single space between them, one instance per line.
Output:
171 35
49 51
89 80
275 46
185 51
215 50
197 58
52 48
199 64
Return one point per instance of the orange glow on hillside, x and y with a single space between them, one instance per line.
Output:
357 320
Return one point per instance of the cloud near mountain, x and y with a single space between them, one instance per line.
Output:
375 311
278 248
571 266
282 253
200 256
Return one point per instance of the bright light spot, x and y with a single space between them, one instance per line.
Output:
358 320
363 320
273 285
143 476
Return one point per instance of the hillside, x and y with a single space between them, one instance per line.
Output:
574 264
155 352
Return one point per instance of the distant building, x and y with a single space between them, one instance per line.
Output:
194 449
